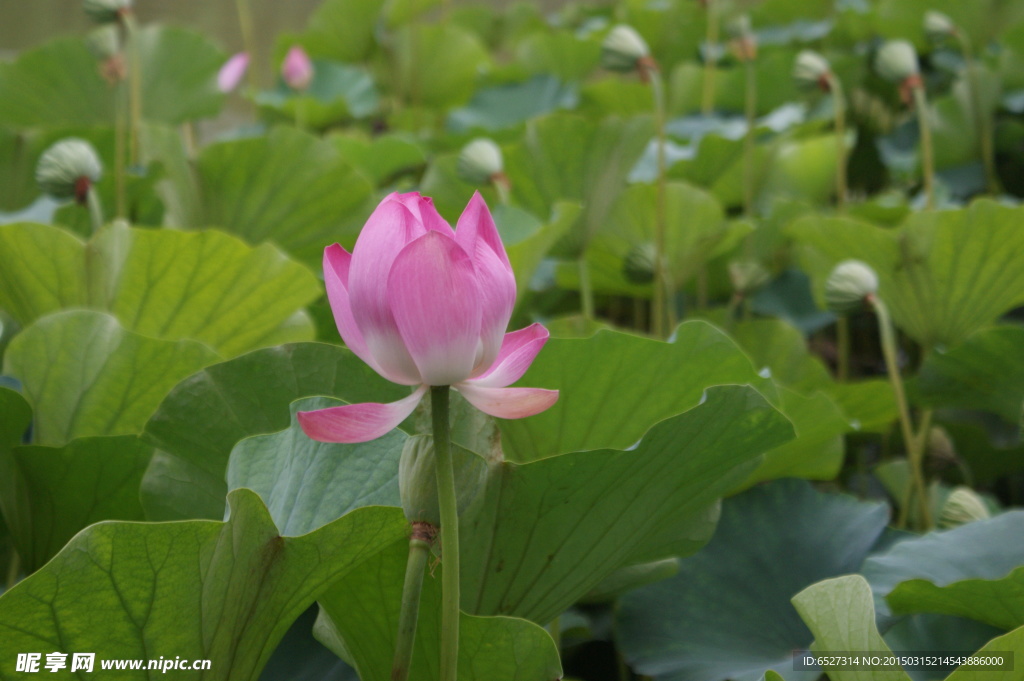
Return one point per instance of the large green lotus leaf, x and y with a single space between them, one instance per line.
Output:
543 534
694 226
169 284
939 633
509 104
562 54
203 417
178 188
300 657
381 158
782 348
727 613
615 386
362 610
288 187
999 602
984 372
223 591
773 81
342 29
943 274
566 156
674 30
86 375
337 93
59 83
15 419
437 65
526 253
841 614
869 405
1013 641
985 549
306 484
982 20
19 151
88 480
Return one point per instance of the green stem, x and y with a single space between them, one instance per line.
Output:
927 153
135 92
555 629
419 551
586 290
710 62
13 569
839 103
92 198
888 334
917 453
662 286
982 121
245 25
501 186
120 133
449 534
843 348
750 109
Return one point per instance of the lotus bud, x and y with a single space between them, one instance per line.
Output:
938 26
625 50
962 506
747 275
638 267
896 61
231 74
940 445
68 169
297 69
850 283
744 43
811 70
106 11
480 161
104 41
417 479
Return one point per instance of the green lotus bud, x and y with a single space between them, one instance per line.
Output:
104 41
938 26
849 284
896 61
68 169
480 161
417 479
747 275
963 505
811 70
106 11
940 445
638 267
623 49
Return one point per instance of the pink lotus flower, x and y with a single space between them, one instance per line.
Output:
297 69
232 72
425 306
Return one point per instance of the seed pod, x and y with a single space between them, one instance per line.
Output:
938 26
811 70
638 267
106 11
623 49
68 169
417 479
896 61
480 161
849 284
963 505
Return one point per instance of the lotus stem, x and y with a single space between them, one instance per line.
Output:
750 110
92 199
843 348
439 395
120 133
419 551
135 90
555 629
245 25
927 152
839 104
662 283
586 289
981 118
13 569
911 442
710 61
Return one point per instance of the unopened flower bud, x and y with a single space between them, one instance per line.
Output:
417 479
940 445
849 284
811 70
106 11
231 74
297 69
104 41
896 61
963 505
747 275
638 267
938 26
480 161
624 49
68 169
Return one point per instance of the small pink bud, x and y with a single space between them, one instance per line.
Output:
232 72
297 69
